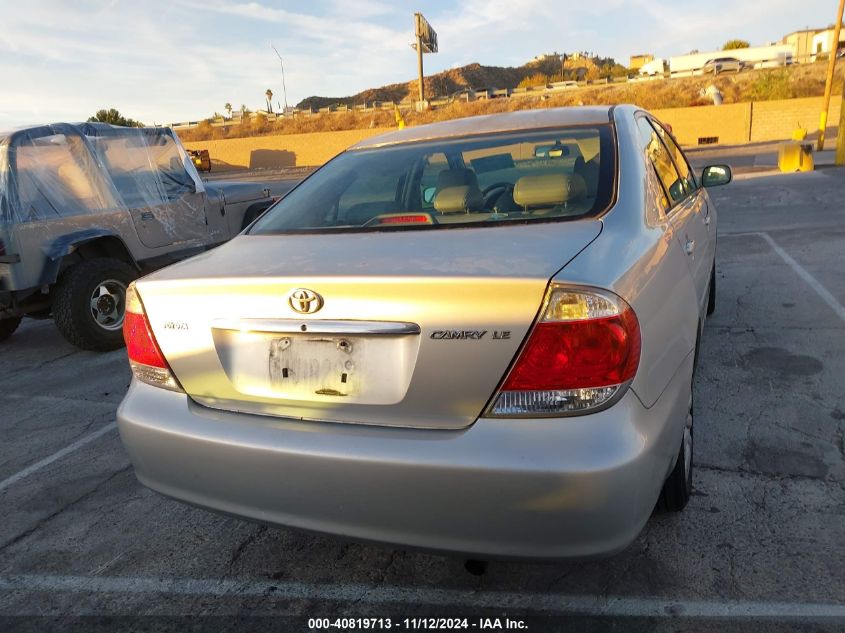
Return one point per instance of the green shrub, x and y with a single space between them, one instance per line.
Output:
767 86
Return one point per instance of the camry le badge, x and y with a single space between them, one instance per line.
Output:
305 301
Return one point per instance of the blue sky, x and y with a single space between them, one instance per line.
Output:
173 60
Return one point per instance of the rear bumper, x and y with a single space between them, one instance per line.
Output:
547 488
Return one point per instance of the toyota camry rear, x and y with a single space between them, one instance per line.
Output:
468 337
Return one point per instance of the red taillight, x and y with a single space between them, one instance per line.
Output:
579 354
583 351
141 345
145 357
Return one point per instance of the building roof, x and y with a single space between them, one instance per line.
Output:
492 124
804 31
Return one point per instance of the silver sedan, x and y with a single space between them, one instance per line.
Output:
476 336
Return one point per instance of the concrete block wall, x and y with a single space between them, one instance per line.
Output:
775 120
731 124
284 150
738 123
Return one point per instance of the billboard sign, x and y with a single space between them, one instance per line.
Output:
425 34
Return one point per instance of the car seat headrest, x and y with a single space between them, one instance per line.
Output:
548 190
458 199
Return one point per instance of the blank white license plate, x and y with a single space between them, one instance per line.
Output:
303 365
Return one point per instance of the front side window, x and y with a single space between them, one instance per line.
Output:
146 168
434 165
560 174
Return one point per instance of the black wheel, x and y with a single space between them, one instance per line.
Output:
677 488
711 301
89 303
8 326
253 212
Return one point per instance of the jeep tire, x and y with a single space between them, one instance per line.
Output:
89 303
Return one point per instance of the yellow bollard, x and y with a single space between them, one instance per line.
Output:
794 157
400 120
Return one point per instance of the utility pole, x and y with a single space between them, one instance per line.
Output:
284 88
426 42
828 86
840 138
420 65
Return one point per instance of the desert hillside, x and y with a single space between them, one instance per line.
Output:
805 80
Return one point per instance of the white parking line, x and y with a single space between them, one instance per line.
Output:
823 292
26 472
802 272
547 603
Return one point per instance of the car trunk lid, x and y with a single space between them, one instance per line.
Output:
414 328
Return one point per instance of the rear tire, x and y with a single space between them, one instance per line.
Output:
677 488
89 303
8 327
711 300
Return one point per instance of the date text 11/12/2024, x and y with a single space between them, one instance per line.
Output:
417 624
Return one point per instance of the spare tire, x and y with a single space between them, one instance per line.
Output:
89 303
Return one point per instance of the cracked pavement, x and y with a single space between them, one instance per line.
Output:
766 523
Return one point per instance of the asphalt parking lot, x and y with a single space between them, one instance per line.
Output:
763 537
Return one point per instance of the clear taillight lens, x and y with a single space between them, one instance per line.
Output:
145 357
581 355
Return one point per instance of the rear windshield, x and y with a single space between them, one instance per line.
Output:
559 174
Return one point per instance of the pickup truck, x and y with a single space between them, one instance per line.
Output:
87 208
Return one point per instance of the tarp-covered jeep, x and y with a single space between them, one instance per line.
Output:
85 209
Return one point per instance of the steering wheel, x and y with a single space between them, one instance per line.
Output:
496 185
495 191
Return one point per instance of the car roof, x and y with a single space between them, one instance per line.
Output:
82 128
492 124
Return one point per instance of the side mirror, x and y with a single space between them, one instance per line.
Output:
716 175
428 194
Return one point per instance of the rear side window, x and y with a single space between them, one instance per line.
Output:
680 160
673 185
57 177
558 174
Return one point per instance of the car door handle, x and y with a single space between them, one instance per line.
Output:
689 247
707 220
148 215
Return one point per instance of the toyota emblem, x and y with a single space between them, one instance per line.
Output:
305 301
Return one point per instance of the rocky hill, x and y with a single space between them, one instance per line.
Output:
456 79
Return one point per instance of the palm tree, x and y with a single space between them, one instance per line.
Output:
269 95
228 108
